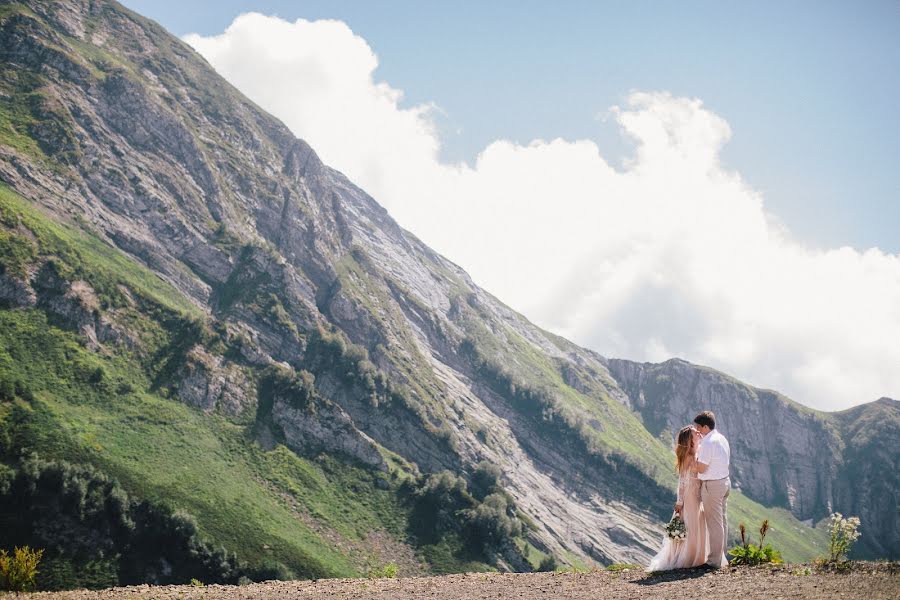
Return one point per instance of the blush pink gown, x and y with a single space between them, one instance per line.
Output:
693 550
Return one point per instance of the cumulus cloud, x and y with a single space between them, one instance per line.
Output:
673 255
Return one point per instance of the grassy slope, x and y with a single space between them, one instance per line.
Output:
243 497
161 450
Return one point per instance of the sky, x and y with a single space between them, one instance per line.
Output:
714 181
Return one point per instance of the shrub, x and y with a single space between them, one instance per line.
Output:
485 479
493 523
296 387
843 535
20 569
548 564
443 508
438 502
751 554
388 571
272 570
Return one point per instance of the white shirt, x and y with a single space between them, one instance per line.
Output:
715 452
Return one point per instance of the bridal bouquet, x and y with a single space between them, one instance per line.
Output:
676 529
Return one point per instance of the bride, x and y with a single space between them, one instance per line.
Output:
691 551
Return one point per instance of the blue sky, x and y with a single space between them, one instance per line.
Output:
810 89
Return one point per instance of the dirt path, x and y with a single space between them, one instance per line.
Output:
872 581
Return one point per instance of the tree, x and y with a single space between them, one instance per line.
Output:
485 479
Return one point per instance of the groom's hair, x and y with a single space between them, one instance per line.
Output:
706 418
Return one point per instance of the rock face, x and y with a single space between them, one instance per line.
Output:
72 302
784 454
868 476
132 136
325 428
210 383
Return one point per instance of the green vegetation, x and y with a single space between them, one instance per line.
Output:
243 497
570 402
797 542
331 355
280 381
16 123
360 281
163 451
606 425
16 253
246 280
485 480
458 528
548 564
388 571
19 570
96 536
843 533
747 553
617 567
69 403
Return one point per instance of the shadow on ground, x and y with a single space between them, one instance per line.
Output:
675 575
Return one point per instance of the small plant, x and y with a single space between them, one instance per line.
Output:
616 567
197 583
751 554
19 570
388 571
843 535
576 569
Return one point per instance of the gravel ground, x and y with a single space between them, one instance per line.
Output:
872 581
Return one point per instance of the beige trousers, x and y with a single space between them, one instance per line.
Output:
714 495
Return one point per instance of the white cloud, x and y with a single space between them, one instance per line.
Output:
673 256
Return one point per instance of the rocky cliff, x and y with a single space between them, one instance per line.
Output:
784 454
306 309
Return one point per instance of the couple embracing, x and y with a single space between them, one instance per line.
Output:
702 459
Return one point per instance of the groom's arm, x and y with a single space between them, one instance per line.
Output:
704 457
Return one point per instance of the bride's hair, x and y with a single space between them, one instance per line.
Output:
682 446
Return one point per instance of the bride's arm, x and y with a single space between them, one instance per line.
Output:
679 500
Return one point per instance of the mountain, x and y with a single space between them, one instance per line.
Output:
209 333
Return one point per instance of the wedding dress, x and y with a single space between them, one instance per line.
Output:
691 551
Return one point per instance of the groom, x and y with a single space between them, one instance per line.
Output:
713 458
